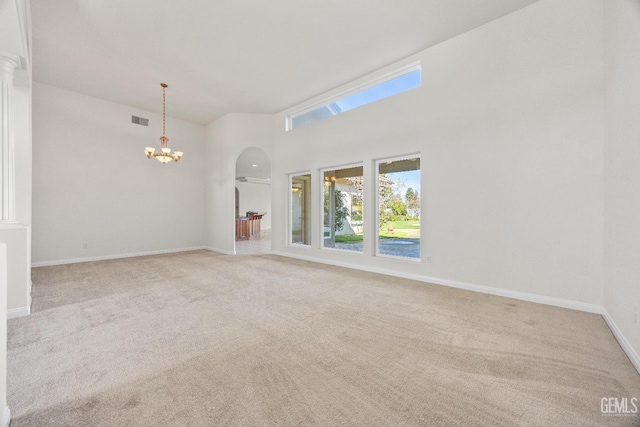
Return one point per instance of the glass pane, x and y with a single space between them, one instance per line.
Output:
399 208
380 91
342 198
374 93
312 116
300 209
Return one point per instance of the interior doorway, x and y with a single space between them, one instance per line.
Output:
253 202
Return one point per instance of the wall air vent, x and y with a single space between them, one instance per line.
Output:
139 121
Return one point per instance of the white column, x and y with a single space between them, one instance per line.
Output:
7 162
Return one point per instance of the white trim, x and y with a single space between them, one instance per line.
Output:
626 346
220 251
340 250
376 167
24 20
540 299
353 89
18 312
523 296
396 257
290 205
409 156
108 257
8 63
321 201
6 417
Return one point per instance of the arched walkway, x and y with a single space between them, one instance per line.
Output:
253 202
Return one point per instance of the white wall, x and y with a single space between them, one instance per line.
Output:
93 183
4 410
622 167
23 152
226 138
17 237
257 198
509 123
15 39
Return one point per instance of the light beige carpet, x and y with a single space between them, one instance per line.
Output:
201 339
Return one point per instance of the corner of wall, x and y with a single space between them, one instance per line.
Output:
621 293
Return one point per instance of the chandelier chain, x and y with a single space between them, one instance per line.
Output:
164 100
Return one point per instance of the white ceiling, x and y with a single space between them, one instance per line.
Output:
253 163
248 56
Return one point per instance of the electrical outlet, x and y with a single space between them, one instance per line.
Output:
427 258
85 245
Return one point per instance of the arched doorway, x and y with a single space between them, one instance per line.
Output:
253 202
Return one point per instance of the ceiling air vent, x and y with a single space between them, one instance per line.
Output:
139 121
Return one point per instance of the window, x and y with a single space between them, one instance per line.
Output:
399 216
398 82
342 209
300 209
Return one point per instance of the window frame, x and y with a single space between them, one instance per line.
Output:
290 177
377 163
326 102
321 206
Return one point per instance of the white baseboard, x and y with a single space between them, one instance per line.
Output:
221 251
6 417
523 296
108 257
12 313
631 353
541 299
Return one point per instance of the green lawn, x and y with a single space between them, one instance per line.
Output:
349 238
410 229
415 224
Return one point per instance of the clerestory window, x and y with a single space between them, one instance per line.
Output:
391 85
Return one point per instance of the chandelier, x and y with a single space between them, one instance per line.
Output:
164 155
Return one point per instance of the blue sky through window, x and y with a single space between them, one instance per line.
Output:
405 180
382 90
410 179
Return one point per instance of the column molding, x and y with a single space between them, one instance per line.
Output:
8 63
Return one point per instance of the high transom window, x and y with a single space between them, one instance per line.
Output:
373 91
